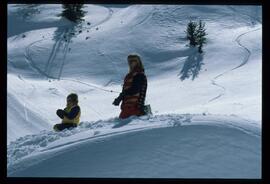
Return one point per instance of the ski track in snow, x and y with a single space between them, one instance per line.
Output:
55 50
251 17
93 86
65 50
56 47
30 61
110 13
245 61
145 19
54 53
238 40
116 71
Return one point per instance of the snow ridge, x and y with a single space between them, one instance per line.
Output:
31 150
45 141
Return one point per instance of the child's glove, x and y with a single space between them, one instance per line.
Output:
60 113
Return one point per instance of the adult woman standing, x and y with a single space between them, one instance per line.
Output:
134 89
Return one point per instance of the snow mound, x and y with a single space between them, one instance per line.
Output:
164 145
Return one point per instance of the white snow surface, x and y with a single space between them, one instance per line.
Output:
209 127
147 147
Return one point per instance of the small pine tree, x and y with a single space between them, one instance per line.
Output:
200 36
73 12
191 33
196 34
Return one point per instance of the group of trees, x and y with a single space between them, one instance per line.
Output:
195 30
196 34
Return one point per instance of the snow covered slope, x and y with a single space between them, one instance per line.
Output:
161 146
50 57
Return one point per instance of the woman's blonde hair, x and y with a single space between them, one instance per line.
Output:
139 66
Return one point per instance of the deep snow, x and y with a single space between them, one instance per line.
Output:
160 146
45 63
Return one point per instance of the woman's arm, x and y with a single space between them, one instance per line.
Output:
135 88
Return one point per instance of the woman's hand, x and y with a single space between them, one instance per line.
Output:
117 101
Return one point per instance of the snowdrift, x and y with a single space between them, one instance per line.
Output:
185 146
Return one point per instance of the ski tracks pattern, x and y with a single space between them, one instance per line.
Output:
245 61
55 51
30 61
145 19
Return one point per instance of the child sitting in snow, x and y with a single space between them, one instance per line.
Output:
70 115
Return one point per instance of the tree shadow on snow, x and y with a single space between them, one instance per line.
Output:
62 38
192 66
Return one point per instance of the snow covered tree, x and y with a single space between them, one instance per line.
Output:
73 12
191 33
200 36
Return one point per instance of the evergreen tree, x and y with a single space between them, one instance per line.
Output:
196 33
200 36
191 33
73 12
